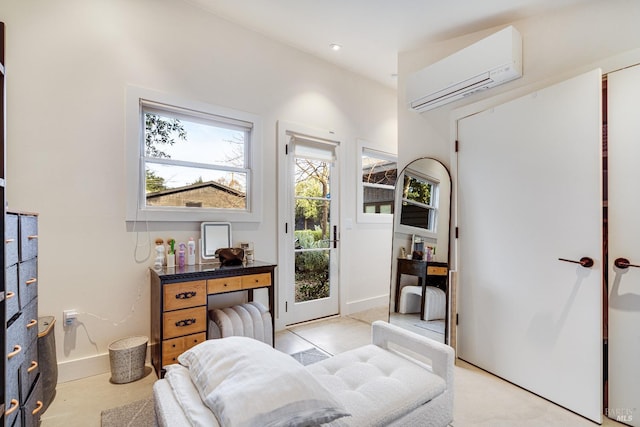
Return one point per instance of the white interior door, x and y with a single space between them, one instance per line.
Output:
529 193
623 92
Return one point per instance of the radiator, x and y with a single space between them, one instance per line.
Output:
248 320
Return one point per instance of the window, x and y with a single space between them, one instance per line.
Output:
419 202
190 161
378 174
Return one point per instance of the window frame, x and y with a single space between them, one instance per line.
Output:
433 208
136 209
361 216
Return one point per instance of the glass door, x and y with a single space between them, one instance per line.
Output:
313 245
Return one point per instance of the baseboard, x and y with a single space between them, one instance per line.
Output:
366 304
86 367
82 368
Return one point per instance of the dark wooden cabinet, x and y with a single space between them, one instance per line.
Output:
429 273
179 318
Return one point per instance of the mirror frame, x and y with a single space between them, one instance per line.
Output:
214 235
395 249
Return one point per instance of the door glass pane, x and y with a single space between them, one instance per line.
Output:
312 229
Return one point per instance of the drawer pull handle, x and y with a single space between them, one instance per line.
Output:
186 295
10 294
10 240
33 236
31 281
33 366
13 407
16 349
32 323
38 408
185 322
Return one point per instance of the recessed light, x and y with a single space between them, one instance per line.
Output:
335 47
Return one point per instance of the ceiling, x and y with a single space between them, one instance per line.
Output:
372 32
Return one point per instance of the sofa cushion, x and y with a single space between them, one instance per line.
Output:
375 385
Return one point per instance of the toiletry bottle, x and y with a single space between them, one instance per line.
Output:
181 255
191 252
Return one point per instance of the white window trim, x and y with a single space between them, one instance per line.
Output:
435 206
363 217
134 176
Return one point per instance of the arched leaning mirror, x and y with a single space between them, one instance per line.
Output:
419 297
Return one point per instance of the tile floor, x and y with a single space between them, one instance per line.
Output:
480 398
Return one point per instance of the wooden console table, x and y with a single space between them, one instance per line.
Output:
429 273
179 317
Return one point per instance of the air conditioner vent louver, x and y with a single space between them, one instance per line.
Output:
491 61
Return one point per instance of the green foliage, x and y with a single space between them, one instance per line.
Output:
417 190
312 267
154 182
304 207
161 131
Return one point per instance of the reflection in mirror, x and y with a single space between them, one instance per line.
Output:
420 257
214 235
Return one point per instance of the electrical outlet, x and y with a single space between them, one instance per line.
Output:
69 317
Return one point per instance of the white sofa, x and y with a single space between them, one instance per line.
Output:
400 379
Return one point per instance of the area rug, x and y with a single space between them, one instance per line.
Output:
140 413
312 355
431 325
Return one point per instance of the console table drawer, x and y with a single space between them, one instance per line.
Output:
225 284
256 280
437 271
184 295
173 348
184 322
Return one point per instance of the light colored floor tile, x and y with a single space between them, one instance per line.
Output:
335 335
79 403
290 343
481 399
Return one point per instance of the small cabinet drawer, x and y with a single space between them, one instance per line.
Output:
29 320
28 237
256 280
33 406
225 284
29 371
12 394
15 341
184 322
28 281
11 239
12 294
437 271
173 348
184 295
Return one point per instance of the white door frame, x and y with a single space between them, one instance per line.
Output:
285 130
623 283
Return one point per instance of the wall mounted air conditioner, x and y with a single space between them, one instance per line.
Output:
489 62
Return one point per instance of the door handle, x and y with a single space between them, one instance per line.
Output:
585 261
624 263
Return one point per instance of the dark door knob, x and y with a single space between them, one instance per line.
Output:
585 261
623 263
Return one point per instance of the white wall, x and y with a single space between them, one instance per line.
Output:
68 63
555 47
